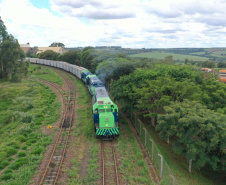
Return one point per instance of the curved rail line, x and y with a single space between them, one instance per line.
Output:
52 171
103 156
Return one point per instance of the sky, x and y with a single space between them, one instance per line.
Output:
125 23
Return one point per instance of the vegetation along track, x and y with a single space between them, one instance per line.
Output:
52 170
109 163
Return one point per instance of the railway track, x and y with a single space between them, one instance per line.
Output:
109 163
53 167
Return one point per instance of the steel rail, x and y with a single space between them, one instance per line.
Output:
115 164
62 153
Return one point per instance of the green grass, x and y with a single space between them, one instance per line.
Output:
133 168
45 73
28 107
162 55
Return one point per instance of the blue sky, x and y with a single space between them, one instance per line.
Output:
126 23
41 3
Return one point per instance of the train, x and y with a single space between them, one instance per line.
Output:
104 110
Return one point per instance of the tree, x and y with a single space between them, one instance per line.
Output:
221 65
88 58
49 55
198 133
114 68
57 44
208 64
11 58
72 57
3 32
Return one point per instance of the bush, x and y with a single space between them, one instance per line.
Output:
30 141
24 147
21 154
22 138
37 151
4 164
7 171
141 162
16 78
2 155
18 163
14 144
6 176
25 130
10 151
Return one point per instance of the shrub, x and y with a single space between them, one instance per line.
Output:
14 144
18 163
2 155
4 164
25 130
10 151
22 138
16 78
141 162
24 147
21 154
30 141
6 176
7 171
37 151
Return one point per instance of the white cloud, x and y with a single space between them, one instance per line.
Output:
129 23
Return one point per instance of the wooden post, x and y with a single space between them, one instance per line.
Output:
190 163
140 128
145 133
172 178
161 165
152 153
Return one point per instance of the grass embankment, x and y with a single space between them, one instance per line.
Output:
25 108
45 73
162 55
132 166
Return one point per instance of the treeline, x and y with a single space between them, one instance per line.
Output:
183 106
12 64
106 65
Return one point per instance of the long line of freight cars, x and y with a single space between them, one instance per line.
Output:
105 111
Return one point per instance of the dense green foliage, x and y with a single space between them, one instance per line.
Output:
221 64
49 55
208 64
57 44
198 133
72 57
151 90
12 64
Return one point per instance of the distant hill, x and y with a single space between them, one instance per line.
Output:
162 55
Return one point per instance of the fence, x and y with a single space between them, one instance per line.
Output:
155 155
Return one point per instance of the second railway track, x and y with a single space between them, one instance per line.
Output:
109 163
53 167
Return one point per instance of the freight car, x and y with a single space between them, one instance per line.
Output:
105 111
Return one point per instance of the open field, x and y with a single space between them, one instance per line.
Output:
26 109
162 55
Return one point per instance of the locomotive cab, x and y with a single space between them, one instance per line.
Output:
84 74
105 114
